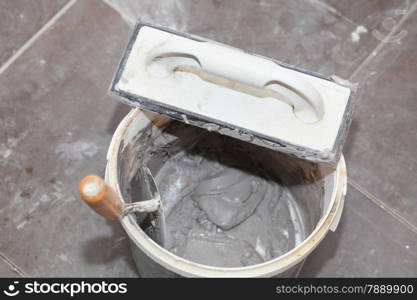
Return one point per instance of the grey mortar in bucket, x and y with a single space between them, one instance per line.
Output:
227 203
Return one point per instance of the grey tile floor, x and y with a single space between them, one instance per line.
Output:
56 120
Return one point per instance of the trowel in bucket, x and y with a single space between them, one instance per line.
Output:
232 92
104 201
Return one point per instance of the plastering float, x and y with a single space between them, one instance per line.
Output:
232 92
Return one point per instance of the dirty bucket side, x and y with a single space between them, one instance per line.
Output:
324 186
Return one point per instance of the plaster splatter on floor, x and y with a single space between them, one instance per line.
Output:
356 35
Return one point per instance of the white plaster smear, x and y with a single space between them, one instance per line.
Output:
356 34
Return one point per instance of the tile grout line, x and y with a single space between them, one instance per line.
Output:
13 265
334 11
382 205
5 66
381 45
377 49
353 183
29 42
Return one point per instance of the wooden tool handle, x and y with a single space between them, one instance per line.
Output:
100 197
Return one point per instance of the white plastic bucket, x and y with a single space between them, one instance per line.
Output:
321 191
